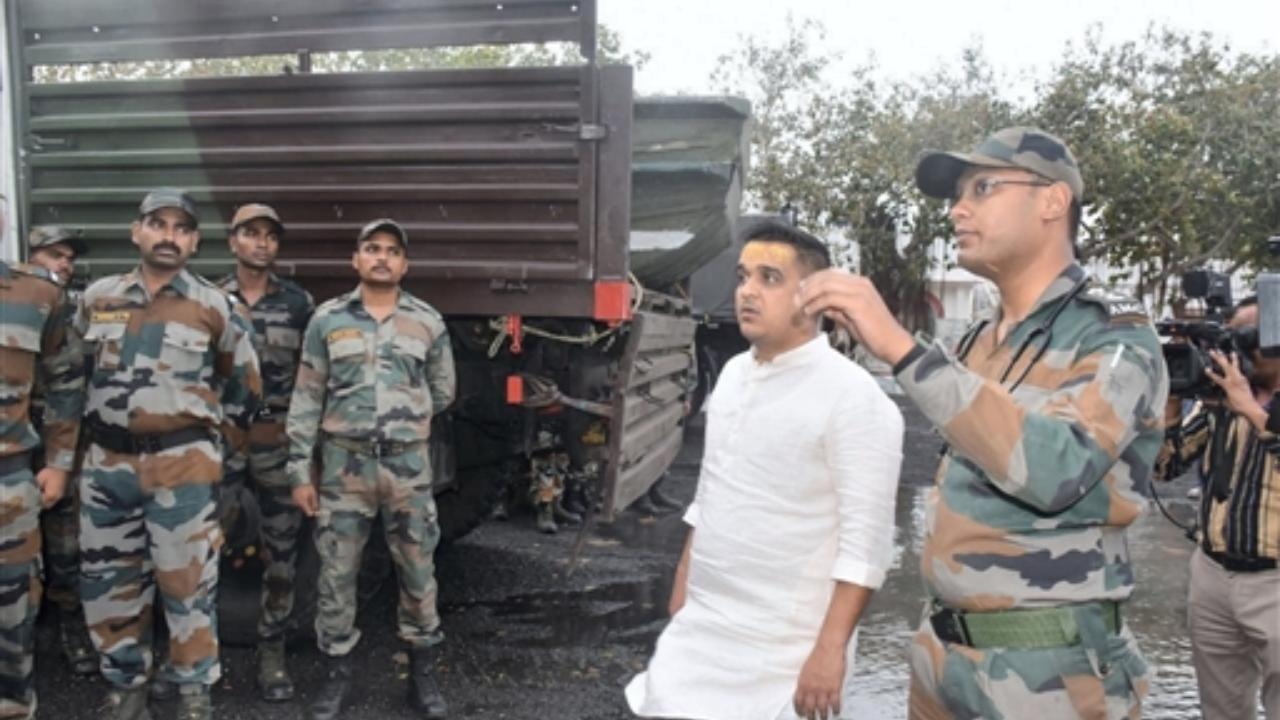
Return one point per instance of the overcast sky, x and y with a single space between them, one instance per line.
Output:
909 37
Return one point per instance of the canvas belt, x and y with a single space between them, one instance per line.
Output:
1023 629
127 443
13 463
374 448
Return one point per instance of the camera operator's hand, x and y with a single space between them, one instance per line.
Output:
1235 386
1172 411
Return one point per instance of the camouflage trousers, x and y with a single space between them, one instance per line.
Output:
19 590
355 489
60 528
148 521
1063 683
262 467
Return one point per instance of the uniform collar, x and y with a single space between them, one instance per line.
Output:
182 283
353 299
1060 286
231 283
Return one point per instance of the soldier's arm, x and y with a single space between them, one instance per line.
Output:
441 378
62 365
307 404
237 363
1114 390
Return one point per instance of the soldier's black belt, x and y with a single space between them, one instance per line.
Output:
375 448
1018 629
13 463
127 443
1241 564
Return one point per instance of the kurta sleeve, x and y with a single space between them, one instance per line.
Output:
864 453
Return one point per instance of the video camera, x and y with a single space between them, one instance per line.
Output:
1186 353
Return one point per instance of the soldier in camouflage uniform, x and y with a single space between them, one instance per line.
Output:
174 368
56 249
34 344
376 366
1052 412
280 311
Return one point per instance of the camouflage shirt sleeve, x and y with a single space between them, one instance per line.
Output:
1051 456
237 363
441 378
62 365
306 408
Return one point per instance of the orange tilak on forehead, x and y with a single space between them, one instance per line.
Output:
778 255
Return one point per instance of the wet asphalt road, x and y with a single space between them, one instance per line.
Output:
525 641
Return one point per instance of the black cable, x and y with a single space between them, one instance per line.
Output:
1188 530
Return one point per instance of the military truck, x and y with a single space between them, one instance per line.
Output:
554 218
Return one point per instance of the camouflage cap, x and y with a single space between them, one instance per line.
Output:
256 211
161 198
46 235
1024 148
384 225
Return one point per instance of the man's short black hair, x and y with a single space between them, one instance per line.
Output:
811 251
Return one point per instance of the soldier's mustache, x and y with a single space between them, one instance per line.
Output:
167 246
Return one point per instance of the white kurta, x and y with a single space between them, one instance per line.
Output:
797 490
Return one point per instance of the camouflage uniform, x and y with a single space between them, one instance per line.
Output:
1032 501
371 389
279 318
33 343
169 372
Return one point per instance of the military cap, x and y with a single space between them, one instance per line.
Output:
384 225
256 211
45 235
161 198
1024 148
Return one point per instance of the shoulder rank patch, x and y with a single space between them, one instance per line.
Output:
1117 305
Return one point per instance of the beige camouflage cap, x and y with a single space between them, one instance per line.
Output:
255 211
1025 148
46 235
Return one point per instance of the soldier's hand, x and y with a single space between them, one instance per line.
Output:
855 304
305 497
52 483
818 688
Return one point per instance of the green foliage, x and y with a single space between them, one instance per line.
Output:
609 49
1178 138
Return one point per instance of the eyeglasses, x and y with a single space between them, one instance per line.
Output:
982 188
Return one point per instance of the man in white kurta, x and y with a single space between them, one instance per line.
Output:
796 496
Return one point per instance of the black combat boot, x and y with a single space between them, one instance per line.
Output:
195 703
424 692
337 682
126 704
274 682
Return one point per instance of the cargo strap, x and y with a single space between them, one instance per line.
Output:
10 464
374 448
1021 629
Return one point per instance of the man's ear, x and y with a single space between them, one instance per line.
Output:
1057 203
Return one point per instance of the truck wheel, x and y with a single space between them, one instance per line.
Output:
469 501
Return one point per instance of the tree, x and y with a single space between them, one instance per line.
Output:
1178 138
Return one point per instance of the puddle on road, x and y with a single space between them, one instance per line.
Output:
622 612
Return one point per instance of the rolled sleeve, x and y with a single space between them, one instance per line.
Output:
865 457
